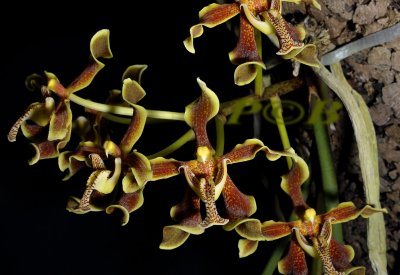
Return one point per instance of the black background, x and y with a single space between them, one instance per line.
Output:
39 236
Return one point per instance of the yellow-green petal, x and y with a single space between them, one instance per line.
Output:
134 72
60 121
247 247
246 72
210 16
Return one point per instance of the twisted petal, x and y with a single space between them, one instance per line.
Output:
71 161
238 206
140 172
210 16
99 48
127 203
306 55
131 92
134 72
291 183
246 72
245 54
187 214
39 113
200 111
295 261
247 247
47 149
289 37
347 211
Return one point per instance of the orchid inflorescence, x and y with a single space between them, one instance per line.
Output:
120 172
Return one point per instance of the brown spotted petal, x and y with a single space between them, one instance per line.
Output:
341 255
47 150
99 48
347 211
335 256
289 36
245 54
291 183
131 92
187 215
210 16
306 55
295 261
244 152
99 184
200 111
253 229
39 114
238 206
164 168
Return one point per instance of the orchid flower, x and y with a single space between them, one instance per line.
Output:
207 178
311 234
116 163
264 16
48 123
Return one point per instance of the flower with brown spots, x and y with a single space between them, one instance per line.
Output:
120 173
311 234
48 124
262 15
208 178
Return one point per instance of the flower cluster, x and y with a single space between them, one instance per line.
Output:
265 16
119 172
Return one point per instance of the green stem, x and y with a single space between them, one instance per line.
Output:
189 135
126 111
280 123
258 82
276 256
